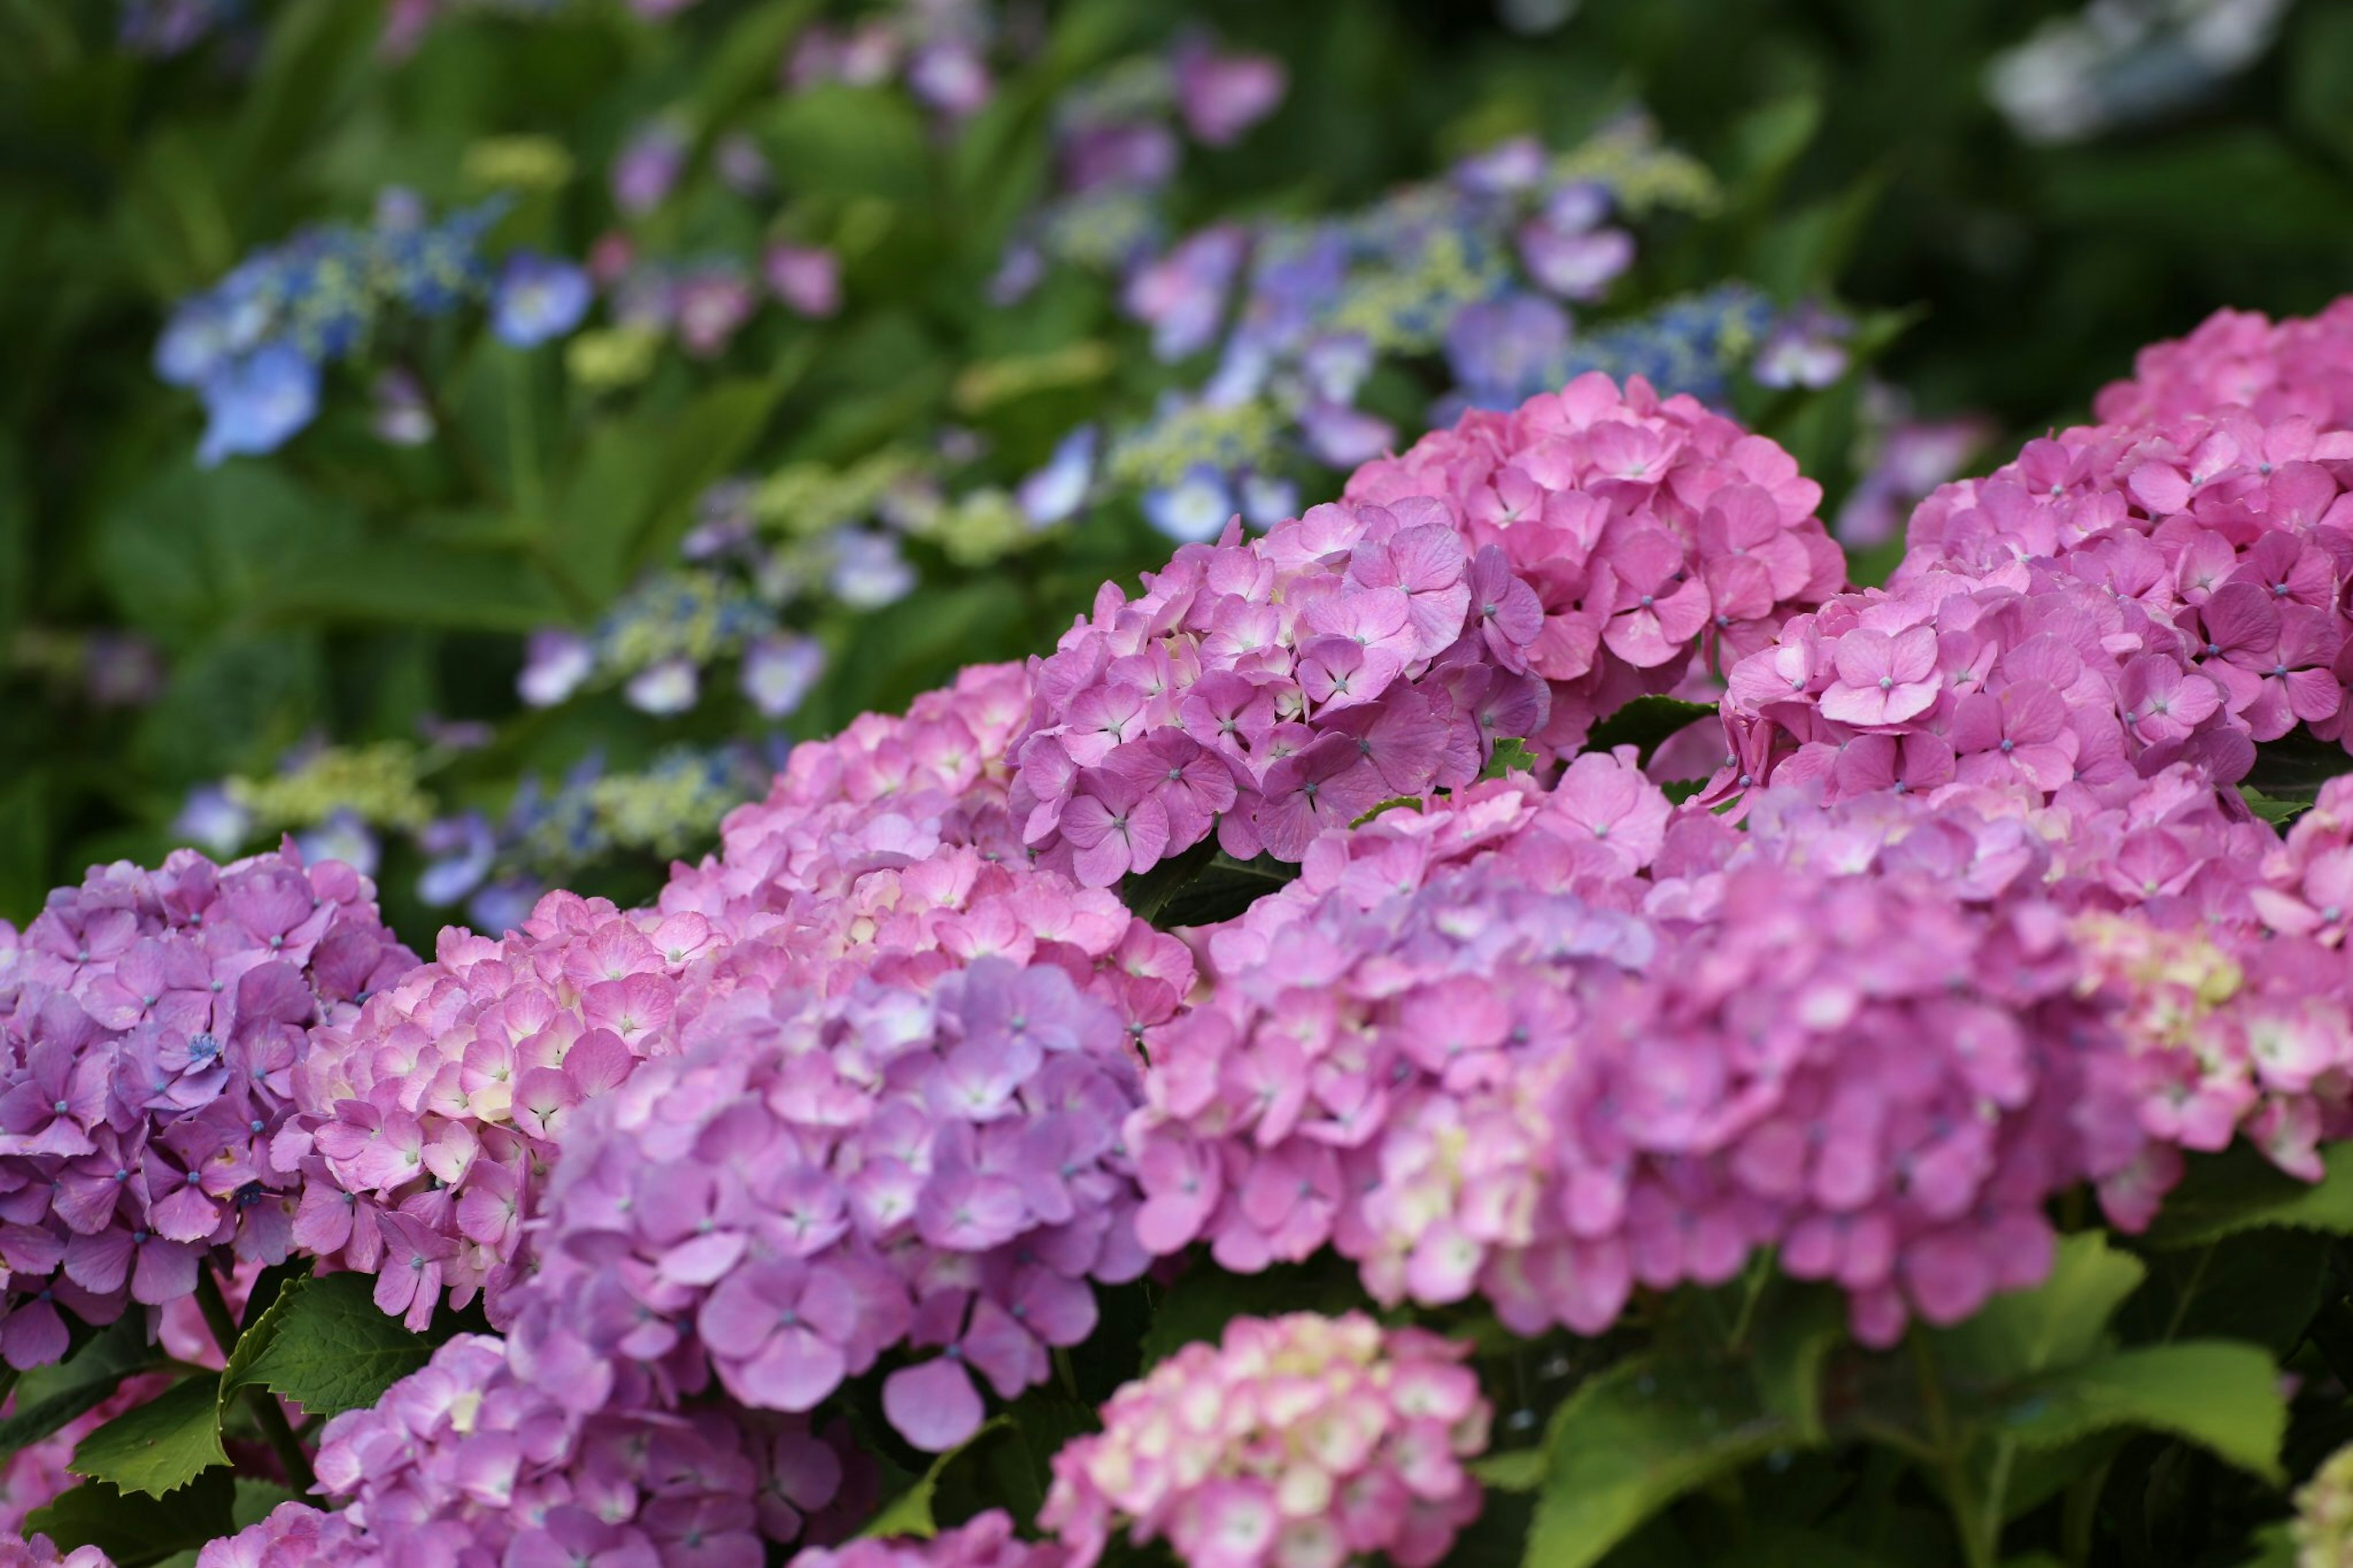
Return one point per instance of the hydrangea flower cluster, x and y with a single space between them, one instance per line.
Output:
253 344
1264 690
1295 1440
1521 574
1546 1048
151 1027
985 1540
2301 368
1649 529
2116 599
888 853
816 1182
428 1120
1471 269
463 1463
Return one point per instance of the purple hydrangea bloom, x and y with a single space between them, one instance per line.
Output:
150 1026
816 1181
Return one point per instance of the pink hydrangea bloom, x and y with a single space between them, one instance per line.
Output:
2115 600
151 1024
427 1121
1522 575
1649 530
2297 368
1295 1439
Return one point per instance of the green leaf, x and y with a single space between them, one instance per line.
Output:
1514 1470
1637 1436
1646 723
257 1500
2222 1397
712 435
850 141
2259 1286
137 1530
196 549
1769 142
2278 813
50 1396
2274 1547
158 1447
744 62
1205 1300
1146 893
2059 1322
1009 1465
402 583
2238 1190
260 1332
1511 756
1224 889
2294 767
909 1513
331 1349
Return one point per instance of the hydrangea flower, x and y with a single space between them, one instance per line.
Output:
1295 1440
151 1027
427 1119
538 299
41 1552
888 852
816 1181
253 346
2299 368
1647 528
2116 599
1544 1047
463 1463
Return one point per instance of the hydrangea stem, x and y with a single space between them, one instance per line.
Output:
266 1413
1980 1525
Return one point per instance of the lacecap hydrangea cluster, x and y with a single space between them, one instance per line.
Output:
152 1024
463 1464
253 345
816 1181
1520 575
1301 1441
2116 599
429 1119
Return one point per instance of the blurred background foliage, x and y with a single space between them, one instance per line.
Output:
849 368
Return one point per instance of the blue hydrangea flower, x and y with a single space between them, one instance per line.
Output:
538 297
1057 490
255 405
1195 509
